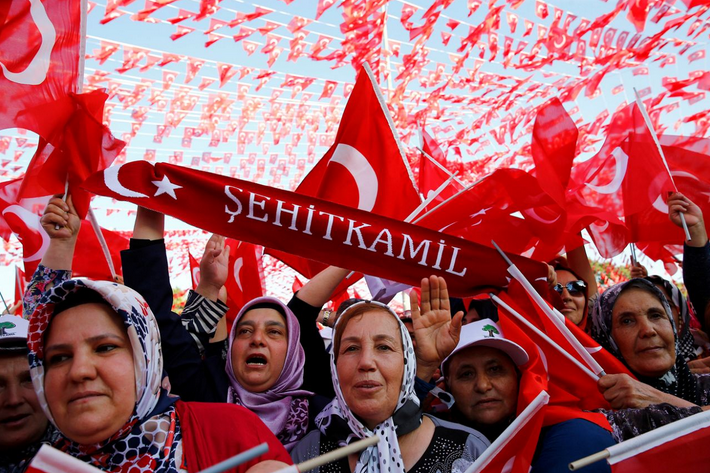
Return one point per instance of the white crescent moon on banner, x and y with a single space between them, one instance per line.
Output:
361 170
237 268
36 72
622 162
112 182
196 275
32 221
533 214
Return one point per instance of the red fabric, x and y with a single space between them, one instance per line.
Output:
214 432
21 217
677 452
47 63
358 170
431 176
521 446
20 285
571 391
483 213
194 269
369 159
309 227
89 260
83 145
554 139
243 278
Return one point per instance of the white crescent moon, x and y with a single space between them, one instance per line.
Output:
31 220
593 349
601 228
361 170
508 467
237 268
112 182
533 214
196 276
684 174
543 358
36 72
622 161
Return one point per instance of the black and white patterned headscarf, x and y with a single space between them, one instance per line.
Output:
338 422
678 381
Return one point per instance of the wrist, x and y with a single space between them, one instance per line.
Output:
208 291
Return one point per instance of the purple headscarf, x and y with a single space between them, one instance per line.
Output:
283 407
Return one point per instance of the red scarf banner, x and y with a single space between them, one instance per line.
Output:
309 227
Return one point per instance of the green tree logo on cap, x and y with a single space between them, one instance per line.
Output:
4 326
491 330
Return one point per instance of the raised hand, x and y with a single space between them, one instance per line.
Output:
436 332
679 204
214 267
60 219
638 271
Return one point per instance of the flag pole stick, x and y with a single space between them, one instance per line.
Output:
649 125
64 199
553 314
102 241
544 336
238 459
441 166
634 260
4 303
428 200
321 460
586 461
518 423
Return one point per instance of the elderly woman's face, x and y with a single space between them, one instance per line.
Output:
484 383
89 382
643 333
259 349
370 366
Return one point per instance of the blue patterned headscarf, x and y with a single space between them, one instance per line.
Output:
150 438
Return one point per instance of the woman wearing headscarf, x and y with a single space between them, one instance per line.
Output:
96 365
634 322
373 365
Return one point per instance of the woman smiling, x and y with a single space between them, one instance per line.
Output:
373 365
96 364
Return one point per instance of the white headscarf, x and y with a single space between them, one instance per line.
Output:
338 422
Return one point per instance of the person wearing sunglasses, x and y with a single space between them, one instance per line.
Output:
574 295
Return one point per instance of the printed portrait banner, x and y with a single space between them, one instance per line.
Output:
309 227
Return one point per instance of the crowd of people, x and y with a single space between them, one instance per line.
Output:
107 373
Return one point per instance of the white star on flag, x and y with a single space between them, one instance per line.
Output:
166 187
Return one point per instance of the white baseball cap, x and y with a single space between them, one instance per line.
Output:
13 332
486 333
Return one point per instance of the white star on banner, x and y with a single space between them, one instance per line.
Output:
166 187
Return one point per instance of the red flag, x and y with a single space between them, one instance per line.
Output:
368 157
307 226
554 139
659 450
89 260
433 173
40 42
244 278
513 450
21 217
358 169
194 269
20 285
83 146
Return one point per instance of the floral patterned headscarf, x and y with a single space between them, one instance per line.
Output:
338 422
150 439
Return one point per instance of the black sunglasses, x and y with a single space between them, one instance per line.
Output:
575 288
